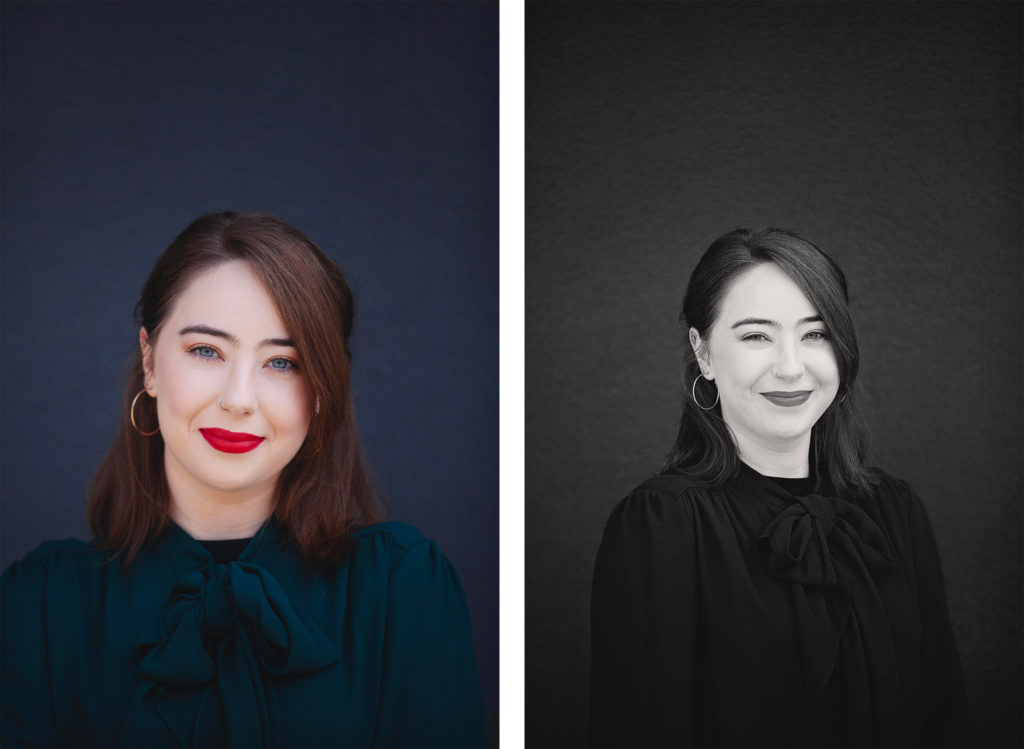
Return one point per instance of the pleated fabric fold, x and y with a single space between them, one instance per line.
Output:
833 555
226 630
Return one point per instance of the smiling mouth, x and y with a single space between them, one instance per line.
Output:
231 442
787 399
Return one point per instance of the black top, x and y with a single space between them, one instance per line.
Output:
796 487
746 616
227 550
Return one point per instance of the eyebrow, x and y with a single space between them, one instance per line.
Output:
207 330
772 323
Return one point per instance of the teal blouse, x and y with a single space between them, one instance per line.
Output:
262 651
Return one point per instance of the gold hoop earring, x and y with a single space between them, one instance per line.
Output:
131 415
693 394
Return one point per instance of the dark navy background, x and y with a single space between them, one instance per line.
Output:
372 127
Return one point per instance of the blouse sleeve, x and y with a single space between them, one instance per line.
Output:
27 718
644 616
431 689
943 695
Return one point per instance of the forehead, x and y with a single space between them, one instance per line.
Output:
228 294
765 292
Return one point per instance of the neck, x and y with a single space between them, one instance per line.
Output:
788 460
208 515
210 522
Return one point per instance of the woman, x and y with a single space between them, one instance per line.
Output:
768 588
243 589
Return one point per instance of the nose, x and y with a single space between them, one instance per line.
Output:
238 395
788 364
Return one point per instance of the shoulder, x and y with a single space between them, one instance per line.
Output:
893 494
671 493
392 538
400 548
895 504
886 483
401 535
652 535
662 508
50 561
905 515
63 552
675 485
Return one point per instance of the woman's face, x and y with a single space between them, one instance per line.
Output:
231 398
771 358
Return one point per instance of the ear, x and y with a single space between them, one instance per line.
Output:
700 350
147 363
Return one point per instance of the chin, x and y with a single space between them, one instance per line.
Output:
789 431
231 484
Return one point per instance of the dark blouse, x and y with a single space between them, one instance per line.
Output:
746 616
227 550
261 651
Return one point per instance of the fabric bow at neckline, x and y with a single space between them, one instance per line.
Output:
227 629
821 545
798 543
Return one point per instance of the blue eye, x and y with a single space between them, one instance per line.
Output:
204 352
281 364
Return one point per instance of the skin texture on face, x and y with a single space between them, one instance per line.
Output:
773 363
223 361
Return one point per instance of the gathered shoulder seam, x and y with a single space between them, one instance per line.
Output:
402 536
50 549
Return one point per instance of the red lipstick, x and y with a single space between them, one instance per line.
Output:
231 442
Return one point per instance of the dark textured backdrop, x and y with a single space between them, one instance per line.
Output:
889 134
372 127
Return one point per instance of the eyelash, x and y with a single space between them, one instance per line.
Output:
819 335
194 351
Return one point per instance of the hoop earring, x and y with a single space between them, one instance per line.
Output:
693 394
131 415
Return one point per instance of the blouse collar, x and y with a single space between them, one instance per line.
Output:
752 482
176 545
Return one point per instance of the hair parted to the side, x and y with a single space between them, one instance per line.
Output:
705 447
325 492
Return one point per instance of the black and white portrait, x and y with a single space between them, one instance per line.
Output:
887 136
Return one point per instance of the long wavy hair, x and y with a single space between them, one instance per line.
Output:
325 492
705 448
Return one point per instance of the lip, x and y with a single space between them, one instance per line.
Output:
787 398
230 442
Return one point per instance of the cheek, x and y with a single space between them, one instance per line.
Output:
288 407
742 369
825 368
183 391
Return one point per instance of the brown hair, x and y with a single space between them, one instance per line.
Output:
324 493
